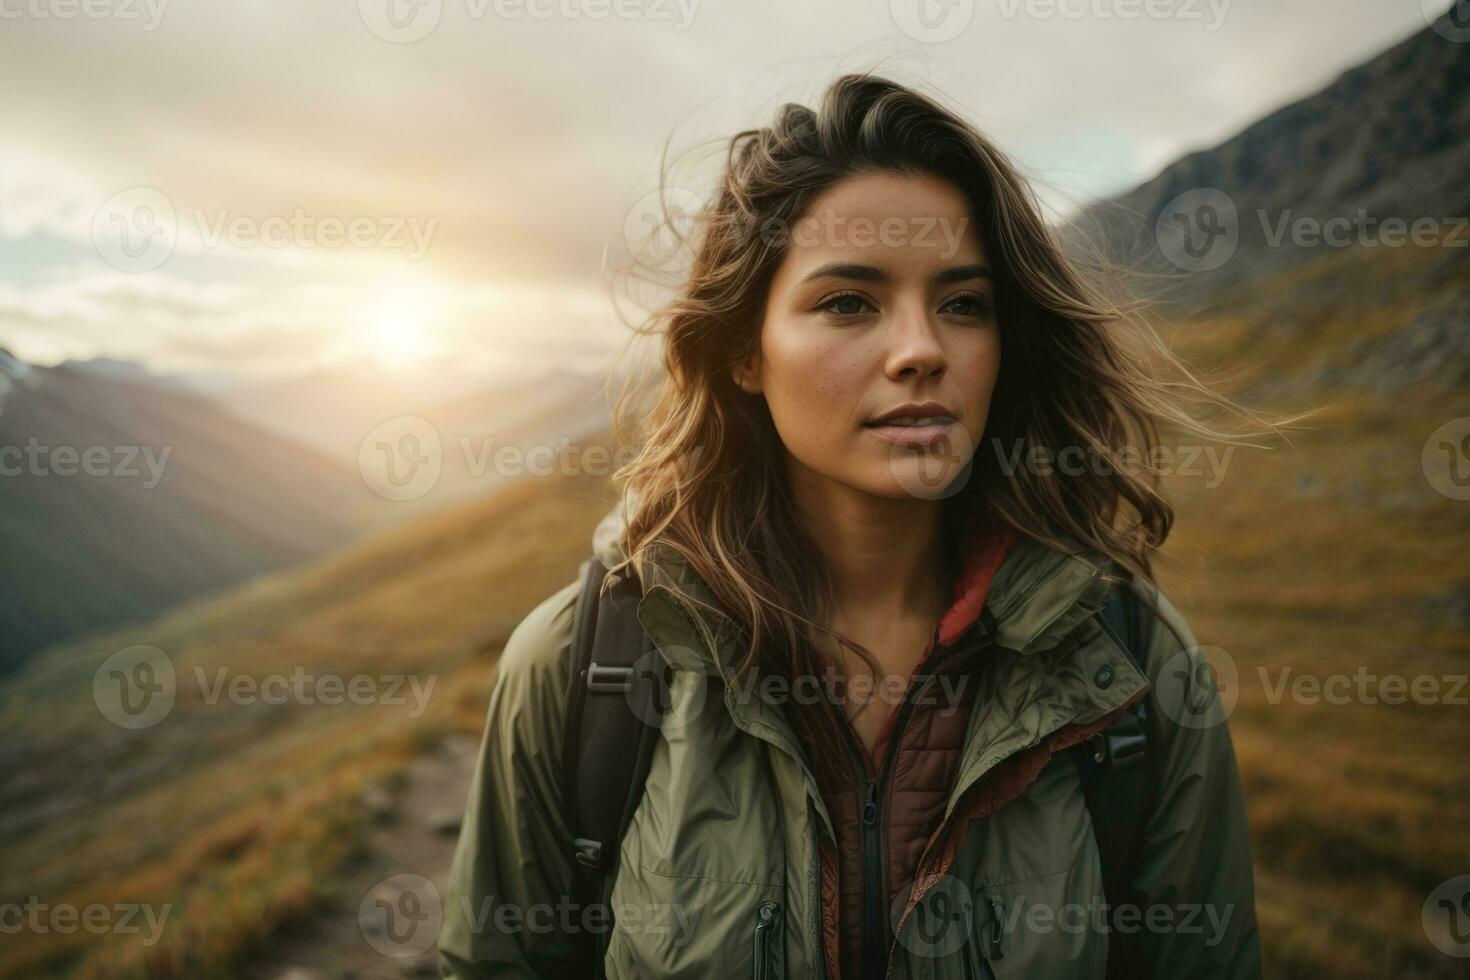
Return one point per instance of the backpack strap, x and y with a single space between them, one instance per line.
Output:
1118 778
607 745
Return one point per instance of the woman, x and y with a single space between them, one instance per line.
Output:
884 459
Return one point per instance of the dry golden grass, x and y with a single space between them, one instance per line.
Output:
1323 558
242 828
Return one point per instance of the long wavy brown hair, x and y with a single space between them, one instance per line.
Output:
709 476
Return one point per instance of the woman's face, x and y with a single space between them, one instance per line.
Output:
882 302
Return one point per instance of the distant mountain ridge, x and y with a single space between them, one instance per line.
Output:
119 499
1387 139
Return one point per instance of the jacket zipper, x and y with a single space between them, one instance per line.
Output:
997 950
874 897
872 849
765 925
872 868
983 641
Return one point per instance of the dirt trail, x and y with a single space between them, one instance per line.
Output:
386 926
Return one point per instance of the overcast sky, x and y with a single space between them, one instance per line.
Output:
267 186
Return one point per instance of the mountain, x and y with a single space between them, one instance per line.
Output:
487 433
131 491
1335 559
1388 141
332 409
199 382
120 497
237 811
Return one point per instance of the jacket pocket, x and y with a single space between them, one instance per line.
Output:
763 959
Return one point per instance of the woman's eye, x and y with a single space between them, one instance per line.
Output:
845 304
970 305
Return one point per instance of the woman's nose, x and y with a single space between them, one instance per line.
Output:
914 344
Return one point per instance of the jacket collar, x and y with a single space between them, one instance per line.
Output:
1037 596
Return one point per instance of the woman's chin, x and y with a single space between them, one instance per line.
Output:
923 476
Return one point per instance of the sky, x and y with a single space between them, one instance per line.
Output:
261 188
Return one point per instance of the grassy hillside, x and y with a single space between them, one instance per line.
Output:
1331 557
239 816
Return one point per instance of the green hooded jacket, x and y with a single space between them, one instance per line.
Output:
718 872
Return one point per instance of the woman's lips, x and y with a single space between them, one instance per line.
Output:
923 434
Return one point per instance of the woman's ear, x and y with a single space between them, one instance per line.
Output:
747 374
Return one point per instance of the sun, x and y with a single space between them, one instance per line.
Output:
396 324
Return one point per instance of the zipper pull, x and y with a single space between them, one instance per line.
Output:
996 951
765 925
870 804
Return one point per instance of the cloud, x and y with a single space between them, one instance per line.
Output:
525 140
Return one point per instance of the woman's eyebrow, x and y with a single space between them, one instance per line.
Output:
870 273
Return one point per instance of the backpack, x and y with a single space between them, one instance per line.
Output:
618 680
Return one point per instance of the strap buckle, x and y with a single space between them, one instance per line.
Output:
602 679
1118 749
589 852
